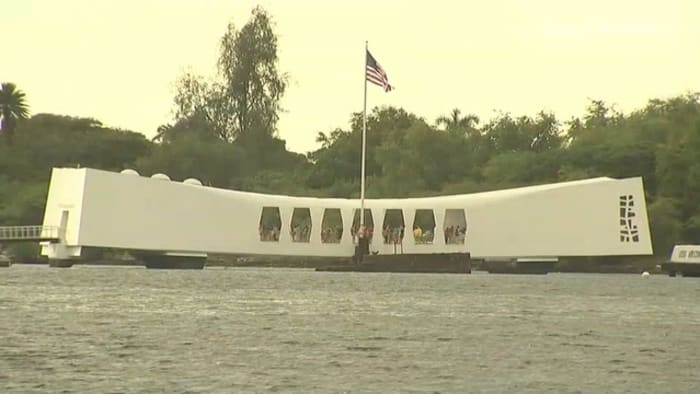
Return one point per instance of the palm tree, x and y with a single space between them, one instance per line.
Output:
12 107
456 123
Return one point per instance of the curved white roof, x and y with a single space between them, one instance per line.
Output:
160 176
129 171
434 201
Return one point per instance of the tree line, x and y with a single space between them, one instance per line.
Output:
224 132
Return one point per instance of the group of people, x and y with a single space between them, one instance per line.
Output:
422 237
390 235
271 233
331 235
361 232
300 233
455 234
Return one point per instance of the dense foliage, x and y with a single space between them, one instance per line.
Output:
407 154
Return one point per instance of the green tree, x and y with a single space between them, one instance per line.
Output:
243 103
508 134
12 107
197 108
213 162
253 85
195 125
598 114
665 223
522 168
457 123
338 159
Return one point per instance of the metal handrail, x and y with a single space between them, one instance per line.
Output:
35 232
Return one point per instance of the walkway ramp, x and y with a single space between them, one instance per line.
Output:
35 233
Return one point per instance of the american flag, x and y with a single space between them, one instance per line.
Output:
376 74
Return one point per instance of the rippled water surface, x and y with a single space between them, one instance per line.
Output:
110 329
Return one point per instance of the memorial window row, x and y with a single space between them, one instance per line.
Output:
393 230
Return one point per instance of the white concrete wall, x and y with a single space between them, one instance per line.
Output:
123 211
576 219
66 191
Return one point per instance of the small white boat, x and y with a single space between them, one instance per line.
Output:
684 261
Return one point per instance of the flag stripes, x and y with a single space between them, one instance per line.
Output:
376 74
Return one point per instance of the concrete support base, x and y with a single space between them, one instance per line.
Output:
169 261
516 267
60 251
57 263
452 263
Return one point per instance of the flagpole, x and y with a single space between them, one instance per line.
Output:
364 144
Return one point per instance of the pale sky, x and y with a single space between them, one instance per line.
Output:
117 61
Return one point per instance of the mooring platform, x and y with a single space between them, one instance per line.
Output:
445 263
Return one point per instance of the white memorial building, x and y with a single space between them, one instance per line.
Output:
95 208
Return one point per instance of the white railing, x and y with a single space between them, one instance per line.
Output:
30 233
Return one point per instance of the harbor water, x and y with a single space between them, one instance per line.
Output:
117 329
